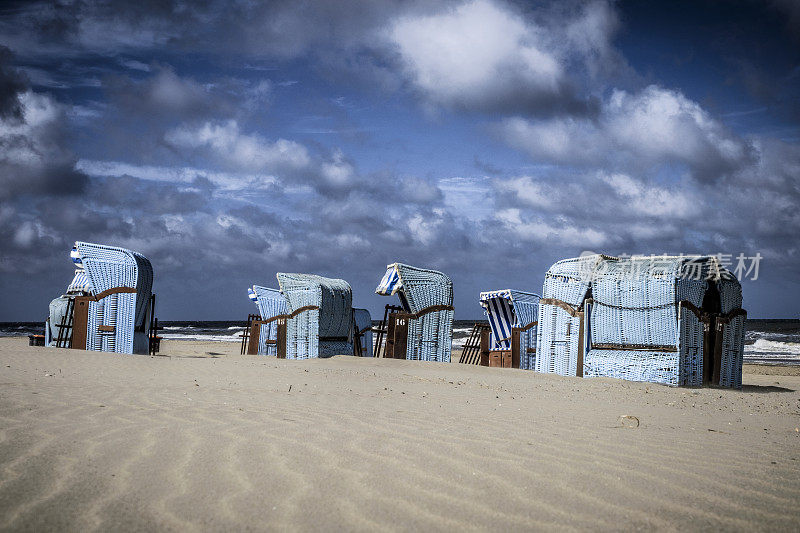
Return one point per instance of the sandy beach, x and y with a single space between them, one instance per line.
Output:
202 438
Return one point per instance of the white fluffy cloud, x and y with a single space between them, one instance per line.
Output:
240 150
651 127
459 56
558 232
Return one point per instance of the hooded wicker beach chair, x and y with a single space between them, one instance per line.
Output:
270 303
510 341
309 316
422 328
320 315
674 320
109 304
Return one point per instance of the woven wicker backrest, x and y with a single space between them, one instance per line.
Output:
569 279
109 267
558 333
526 307
270 302
423 288
144 286
634 303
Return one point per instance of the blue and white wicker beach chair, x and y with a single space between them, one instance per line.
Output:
108 304
271 303
319 316
423 327
642 319
511 338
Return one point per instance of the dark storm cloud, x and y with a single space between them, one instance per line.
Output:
165 92
12 84
278 29
34 158
479 55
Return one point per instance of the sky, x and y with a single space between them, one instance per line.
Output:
228 141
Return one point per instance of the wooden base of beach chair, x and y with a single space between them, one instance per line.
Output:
80 322
397 330
381 332
254 336
397 336
499 358
244 348
153 340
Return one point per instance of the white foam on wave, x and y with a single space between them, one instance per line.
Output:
767 348
211 338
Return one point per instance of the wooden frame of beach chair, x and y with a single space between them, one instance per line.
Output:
381 331
425 323
153 339
244 345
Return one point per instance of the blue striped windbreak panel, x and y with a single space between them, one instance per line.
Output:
390 283
500 312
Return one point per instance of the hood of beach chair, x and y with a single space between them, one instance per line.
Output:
418 288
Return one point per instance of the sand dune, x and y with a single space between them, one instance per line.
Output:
202 438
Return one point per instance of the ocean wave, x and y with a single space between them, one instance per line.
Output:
771 335
235 337
768 348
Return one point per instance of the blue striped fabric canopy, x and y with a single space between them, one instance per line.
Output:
390 283
500 312
251 293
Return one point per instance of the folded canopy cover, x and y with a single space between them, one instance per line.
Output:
390 283
80 282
